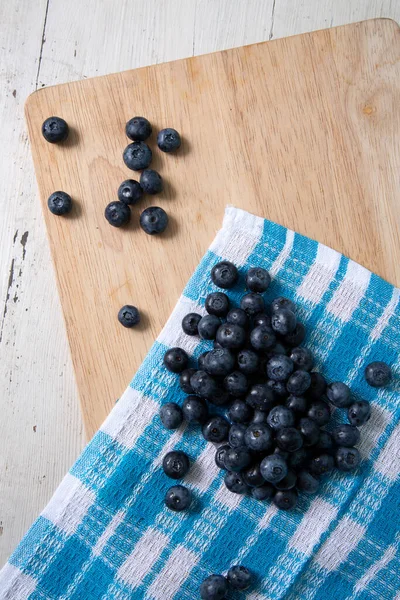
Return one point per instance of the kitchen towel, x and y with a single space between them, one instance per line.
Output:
106 533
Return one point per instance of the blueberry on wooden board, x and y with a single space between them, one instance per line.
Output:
130 191
138 129
168 140
128 316
55 129
153 220
59 203
117 214
137 156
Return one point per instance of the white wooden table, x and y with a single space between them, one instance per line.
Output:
49 42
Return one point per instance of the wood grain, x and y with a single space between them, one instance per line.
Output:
302 131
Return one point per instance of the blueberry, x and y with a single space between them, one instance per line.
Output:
309 430
214 587
216 429
236 435
184 380
208 326
306 482
201 360
378 374
321 464
302 358
317 386
168 140
258 437
258 279
236 383
298 458
176 464
138 129
224 274
203 384
325 441
151 182
176 360
130 192
285 499
231 336
262 319
288 482
195 409
137 156
252 476
237 459
273 468
319 412
339 394
252 304
359 412
260 416
279 367
240 412
347 459
234 482
128 315
55 129
239 577
60 203
171 415
153 220
298 404
289 439
237 316
217 303
298 382
260 397
220 456
277 387
190 323
262 338
279 417
282 303
346 435
178 498
263 492
248 361
219 361
283 321
296 337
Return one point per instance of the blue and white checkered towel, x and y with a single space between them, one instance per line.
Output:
106 533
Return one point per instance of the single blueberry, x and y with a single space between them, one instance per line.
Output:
262 338
277 387
224 274
325 441
302 358
138 129
55 129
252 476
347 459
279 417
236 383
137 156
283 321
285 499
262 319
237 459
201 360
258 279
296 337
263 492
214 587
280 367
321 464
178 498
203 384
309 430
60 203
298 404
319 411
248 362
252 304
220 456
190 323
219 361
282 302
288 482
260 397
208 326
217 303
184 380
117 214
168 140
239 577
234 482
153 220
236 435
151 182
317 386
240 412
130 191
176 360
176 464
171 415
338 394
298 383
195 409
128 316
258 437
237 316
216 429
289 439
359 412
298 458
346 435
378 374
273 468
231 336
306 482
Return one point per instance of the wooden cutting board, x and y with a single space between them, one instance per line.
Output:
304 131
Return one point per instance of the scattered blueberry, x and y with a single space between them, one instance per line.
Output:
176 360
262 338
117 214
298 404
235 483
138 129
176 464
306 482
321 464
347 459
309 430
346 435
231 336
289 439
54 130
237 459
236 435
220 456
280 417
128 315
130 192
190 323
248 362
216 429
240 411
378 374
258 279
208 326
283 321
298 383
285 499
178 498
219 361
319 412
273 468
258 437
260 397
224 274
237 316
153 220
302 358
252 476
184 380
214 587
171 415
339 394
151 182
217 303
195 409
203 384
280 367
137 156
359 412
252 304
235 383
239 577
283 303
60 203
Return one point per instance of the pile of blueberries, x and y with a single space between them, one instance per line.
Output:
275 443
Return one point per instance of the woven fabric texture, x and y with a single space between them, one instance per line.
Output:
106 533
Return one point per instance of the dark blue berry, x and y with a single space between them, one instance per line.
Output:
55 129
309 430
248 361
220 456
176 360
201 360
317 386
168 140
258 279
219 361
302 358
214 587
190 323
231 336
216 429
273 468
117 214
279 367
184 380
298 404
339 394
237 459
283 321
224 274
236 435
298 458
137 156
203 384
263 492
171 415
359 413
288 482
208 327
306 482
130 192
138 129
258 437
347 459
153 220
282 303
236 383
325 441
262 338
296 337
237 316
277 387
178 498
289 439
319 412
321 464
128 316
195 409
252 476
234 482
262 319
260 416
260 397
279 417
239 577
240 412
151 182
298 383
217 303
60 203
378 374
252 304
346 435
176 464
285 499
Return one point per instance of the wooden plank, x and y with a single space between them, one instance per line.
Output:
307 131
